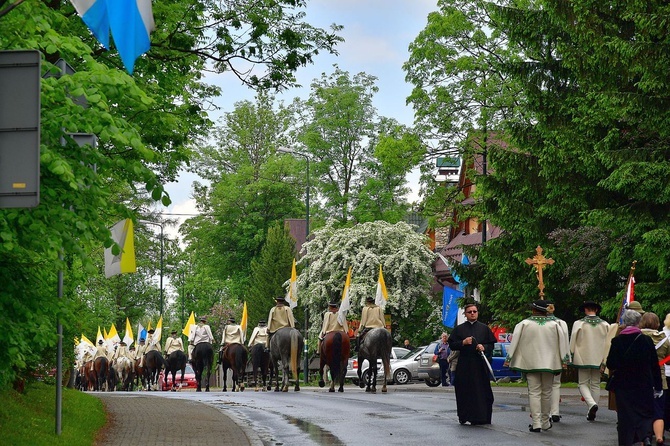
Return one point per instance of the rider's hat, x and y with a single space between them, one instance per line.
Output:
132 347
281 299
142 339
122 343
100 342
203 318
590 304
262 322
370 299
334 304
231 320
152 331
173 331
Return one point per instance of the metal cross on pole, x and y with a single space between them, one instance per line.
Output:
539 261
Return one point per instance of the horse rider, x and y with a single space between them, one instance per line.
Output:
141 347
232 333
173 343
132 354
121 351
280 316
331 322
372 316
150 345
100 352
259 335
197 334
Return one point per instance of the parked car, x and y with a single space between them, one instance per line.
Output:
352 367
405 369
499 355
189 379
429 371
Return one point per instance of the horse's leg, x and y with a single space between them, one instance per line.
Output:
387 370
285 379
209 372
276 373
225 377
322 364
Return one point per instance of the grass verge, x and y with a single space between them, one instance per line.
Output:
30 418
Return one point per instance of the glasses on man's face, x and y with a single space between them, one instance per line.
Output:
471 311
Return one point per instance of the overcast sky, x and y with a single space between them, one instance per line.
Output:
377 35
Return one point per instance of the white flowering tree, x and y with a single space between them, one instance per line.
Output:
406 262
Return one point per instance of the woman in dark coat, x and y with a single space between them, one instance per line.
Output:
635 380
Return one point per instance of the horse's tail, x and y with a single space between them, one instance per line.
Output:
336 356
294 353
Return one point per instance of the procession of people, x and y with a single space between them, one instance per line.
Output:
632 353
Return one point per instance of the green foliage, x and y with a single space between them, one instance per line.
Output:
270 271
28 418
406 264
147 127
252 190
574 104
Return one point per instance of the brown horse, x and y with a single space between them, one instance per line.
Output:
260 361
100 368
334 353
140 380
234 356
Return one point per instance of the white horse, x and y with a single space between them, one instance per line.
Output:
124 372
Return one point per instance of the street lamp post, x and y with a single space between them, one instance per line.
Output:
161 270
306 362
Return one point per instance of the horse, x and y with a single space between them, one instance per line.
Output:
153 363
334 353
140 380
111 377
174 362
203 357
286 345
260 360
234 357
376 345
100 366
124 372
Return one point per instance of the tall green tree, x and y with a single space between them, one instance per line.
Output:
384 191
270 271
338 126
251 190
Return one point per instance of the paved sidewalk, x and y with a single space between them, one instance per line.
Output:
147 420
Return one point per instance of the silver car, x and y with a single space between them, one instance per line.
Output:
352 367
406 369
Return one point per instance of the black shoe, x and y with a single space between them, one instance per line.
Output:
537 429
550 426
592 413
556 418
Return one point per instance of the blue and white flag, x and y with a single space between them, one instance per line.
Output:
450 298
141 332
130 22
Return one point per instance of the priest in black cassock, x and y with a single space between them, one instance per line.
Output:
474 397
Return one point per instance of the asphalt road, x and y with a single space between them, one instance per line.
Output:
412 414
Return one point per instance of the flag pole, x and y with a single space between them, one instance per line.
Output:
625 291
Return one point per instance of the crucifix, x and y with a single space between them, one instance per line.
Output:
539 262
